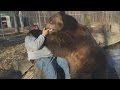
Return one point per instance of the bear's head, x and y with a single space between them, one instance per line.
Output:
62 22
55 23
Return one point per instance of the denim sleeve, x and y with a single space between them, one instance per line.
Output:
64 64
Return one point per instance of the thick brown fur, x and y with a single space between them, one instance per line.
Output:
73 42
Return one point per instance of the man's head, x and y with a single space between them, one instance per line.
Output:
35 27
35 32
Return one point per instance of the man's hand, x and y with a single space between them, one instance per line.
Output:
45 32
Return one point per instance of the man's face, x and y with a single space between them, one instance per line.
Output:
35 27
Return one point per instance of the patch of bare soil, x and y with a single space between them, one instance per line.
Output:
11 50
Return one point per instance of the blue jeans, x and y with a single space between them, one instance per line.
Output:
46 70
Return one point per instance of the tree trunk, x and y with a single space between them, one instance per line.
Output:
2 31
21 21
44 13
40 26
16 22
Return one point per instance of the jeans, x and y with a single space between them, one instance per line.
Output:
45 69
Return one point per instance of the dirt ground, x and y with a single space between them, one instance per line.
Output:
11 49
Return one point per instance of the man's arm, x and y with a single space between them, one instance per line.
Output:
36 44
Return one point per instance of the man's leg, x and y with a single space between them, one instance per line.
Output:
38 72
64 65
44 69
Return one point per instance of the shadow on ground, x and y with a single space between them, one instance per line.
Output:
11 74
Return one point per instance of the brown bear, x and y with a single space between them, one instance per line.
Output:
72 41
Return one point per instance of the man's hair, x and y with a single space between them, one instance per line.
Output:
35 32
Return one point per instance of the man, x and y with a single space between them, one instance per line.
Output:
47 65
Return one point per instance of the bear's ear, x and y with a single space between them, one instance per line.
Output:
62 13
56 19
51 22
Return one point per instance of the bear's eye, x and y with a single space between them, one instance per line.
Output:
51 22
60 24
